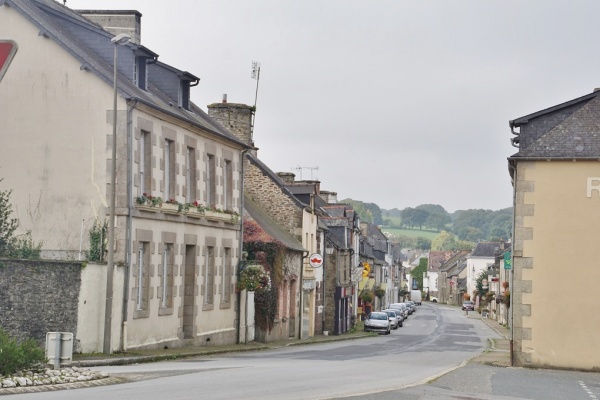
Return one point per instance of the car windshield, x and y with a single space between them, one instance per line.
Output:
468 302
378 316
391 313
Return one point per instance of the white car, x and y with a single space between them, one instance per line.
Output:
378 321
397 317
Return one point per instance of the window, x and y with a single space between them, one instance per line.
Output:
142 281
145 163
169 189
140 72
227 186
184 94
190 173
227 268
209 275
167 276
210 181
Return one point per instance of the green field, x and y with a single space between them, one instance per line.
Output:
426 233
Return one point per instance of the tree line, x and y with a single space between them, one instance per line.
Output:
461 228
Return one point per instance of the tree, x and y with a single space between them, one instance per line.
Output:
11 245
443 242
417 272
412 217
8 225
438 221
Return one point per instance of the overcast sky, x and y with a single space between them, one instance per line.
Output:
397 103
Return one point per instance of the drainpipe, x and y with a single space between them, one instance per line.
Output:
130 107
512 263
301 308
241 247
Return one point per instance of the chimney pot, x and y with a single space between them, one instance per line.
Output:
225 98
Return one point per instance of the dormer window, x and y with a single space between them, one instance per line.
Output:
143 57
140 73
184 94
186 81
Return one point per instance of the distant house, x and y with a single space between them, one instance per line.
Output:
175 270
556 180
480 260
450 273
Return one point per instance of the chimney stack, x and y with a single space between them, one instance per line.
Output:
236 118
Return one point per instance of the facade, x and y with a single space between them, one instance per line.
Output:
263 234
556 180
271 194
341 268
448 281
481 259
178 268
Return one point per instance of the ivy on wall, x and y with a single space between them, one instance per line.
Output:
270 253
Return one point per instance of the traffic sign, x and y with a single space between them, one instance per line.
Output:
316 260
8 48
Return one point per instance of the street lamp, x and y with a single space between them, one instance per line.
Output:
120 39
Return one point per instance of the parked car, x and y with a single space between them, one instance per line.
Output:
414 306
400 306
409 307
378 321
433 299
395 315
468 305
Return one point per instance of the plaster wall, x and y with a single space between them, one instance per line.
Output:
55 130
556 269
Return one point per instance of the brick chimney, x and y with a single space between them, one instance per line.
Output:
117 21
236 118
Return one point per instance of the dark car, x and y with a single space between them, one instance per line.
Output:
468 305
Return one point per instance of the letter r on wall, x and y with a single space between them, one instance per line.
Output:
593 183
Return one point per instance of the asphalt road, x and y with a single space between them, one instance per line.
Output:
432 342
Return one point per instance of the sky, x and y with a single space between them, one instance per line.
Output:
393 102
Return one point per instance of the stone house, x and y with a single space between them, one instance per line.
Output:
341 269
261 230
434 262
556 181
450 272
270 192
174 275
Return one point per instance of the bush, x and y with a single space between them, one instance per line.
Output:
16 356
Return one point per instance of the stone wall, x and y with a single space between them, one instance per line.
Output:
38 296
271 198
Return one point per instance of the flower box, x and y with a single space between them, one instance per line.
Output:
169 208
218 216
194 214
146 207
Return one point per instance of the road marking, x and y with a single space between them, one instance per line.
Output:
588 391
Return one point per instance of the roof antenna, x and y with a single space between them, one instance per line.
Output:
255 75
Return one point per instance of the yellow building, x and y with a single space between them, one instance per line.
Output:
556 256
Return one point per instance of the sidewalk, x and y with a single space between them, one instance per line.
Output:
499 353
143 356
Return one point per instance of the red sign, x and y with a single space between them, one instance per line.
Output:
316 260
8 48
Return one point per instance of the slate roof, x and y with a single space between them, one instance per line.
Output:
569 130
438 258
487 249
91 45
269 226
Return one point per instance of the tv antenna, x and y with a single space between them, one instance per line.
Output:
255 75
299 168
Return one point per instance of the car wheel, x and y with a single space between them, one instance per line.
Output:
400 325
388 332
